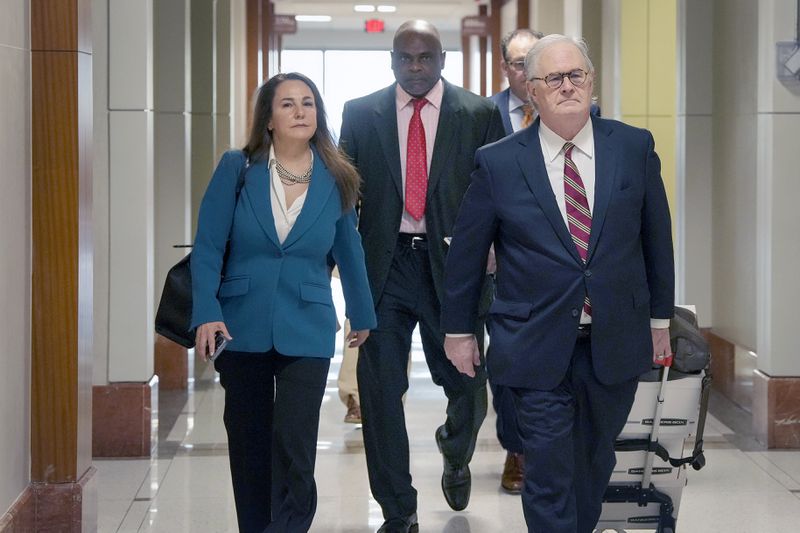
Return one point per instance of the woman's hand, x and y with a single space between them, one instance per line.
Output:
356 338
204 337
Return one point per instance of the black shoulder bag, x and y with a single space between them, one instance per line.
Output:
174 314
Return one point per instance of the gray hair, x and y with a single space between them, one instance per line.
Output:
532 58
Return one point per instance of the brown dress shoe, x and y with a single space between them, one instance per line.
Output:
353 415
513 473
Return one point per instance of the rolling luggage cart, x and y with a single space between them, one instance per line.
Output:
646 485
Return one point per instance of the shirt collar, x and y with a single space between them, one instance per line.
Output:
434 96
552 143
514 102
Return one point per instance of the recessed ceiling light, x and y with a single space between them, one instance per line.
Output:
312 18
387 9
363 8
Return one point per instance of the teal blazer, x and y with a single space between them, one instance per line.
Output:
273 295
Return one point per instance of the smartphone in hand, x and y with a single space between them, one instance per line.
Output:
219 344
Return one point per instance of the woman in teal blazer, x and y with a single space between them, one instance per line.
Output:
271 297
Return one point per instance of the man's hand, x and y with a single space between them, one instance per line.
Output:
354 339
662 352
463 353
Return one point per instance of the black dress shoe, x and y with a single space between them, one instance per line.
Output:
405 524
456 480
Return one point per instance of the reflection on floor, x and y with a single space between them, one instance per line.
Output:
187 487
742 489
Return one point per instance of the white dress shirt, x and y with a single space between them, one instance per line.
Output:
430 121
284 216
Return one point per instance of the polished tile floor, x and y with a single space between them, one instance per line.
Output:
186 487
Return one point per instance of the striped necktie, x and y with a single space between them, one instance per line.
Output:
579 217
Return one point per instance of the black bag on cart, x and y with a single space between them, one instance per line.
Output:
690 348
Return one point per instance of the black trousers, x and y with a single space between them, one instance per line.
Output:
568 435
272 405
408 299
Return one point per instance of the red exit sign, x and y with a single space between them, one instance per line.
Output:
373 26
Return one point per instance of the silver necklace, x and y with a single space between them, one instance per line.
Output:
288 178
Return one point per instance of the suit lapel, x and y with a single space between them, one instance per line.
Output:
502 106
531 161
386 127
604 181
449 114
256 188
319 190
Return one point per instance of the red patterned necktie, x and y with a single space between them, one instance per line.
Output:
416 163
579 218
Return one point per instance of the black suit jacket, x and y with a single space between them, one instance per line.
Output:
369 135
541 280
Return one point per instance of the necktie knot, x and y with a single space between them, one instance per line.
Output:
419 103
568 146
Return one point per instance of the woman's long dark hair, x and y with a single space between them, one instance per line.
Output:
338 163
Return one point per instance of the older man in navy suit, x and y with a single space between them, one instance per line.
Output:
576 209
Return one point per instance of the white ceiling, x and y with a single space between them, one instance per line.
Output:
444 14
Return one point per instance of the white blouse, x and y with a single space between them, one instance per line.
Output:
284 216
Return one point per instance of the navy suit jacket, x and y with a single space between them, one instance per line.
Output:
541 280
272 294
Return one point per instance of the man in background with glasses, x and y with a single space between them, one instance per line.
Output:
515 109
577 212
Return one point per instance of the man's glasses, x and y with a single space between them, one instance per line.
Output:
554 80
516 65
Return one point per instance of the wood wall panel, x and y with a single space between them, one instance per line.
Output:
253 39
54 25
523 14
54 327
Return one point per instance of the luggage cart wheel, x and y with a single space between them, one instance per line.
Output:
699 462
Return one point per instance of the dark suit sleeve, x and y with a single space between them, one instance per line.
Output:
465 270
347 140
657 239
496 130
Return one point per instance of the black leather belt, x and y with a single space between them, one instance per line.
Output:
415 241
584 331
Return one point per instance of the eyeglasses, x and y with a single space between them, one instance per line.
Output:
516 65
554 80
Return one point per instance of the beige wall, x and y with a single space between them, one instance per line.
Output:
777 247
15 262
735 49
547 16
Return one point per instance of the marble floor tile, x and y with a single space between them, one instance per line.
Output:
739 491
